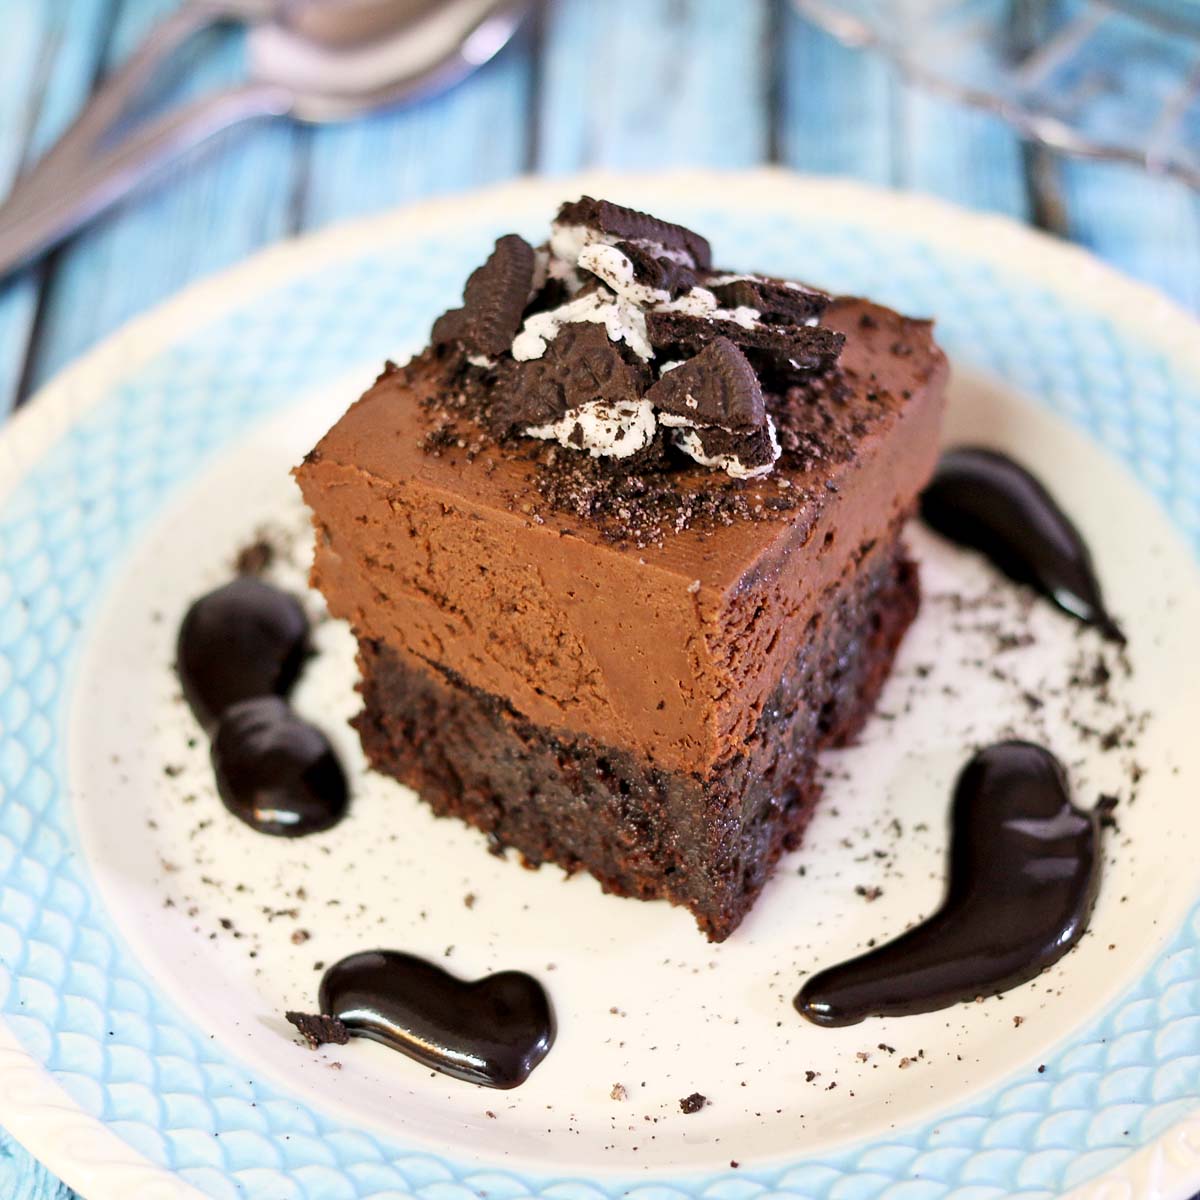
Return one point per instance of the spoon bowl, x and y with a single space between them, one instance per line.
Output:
313 60
339 58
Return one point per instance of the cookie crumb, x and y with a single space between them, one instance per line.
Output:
255 558
693 1103
618 1092
319 1030
1105 808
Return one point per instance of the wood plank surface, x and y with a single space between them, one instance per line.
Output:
650 84
215 207
475 134
50 56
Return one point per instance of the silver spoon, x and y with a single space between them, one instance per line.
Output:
313 60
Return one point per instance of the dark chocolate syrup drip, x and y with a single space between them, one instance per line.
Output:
493 1031
276 772
1024 868
245 639
982 499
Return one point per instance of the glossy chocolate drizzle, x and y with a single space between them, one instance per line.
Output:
492 1031
982 499
239 651
243 640
1024 869
276 772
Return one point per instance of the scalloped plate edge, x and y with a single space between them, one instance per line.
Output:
34 1107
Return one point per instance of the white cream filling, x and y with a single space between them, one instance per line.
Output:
481 360
568 241
574 249
688 440
605 429
566 274
624 322
791 284
700 302
615 268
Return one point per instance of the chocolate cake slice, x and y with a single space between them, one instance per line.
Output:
622 552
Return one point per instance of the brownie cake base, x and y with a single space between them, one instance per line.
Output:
707 843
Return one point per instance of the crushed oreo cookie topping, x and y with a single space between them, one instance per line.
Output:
582 393
713 403
717 387
494 300
782 352
597 339
317 1030
780 301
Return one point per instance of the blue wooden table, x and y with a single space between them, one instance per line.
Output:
636 84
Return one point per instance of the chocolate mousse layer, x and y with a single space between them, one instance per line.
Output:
668 649
637 517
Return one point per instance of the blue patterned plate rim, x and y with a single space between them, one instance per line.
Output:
102 1158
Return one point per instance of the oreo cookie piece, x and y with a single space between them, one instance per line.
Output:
579 365
665 274
717 387
784 351
776 301
627 224
741 454
494 301
318 1030
550 295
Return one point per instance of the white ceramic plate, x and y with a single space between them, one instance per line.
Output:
151 943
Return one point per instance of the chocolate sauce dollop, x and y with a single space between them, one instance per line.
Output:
1024 869
982 499
492 1031
276 772
244 639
